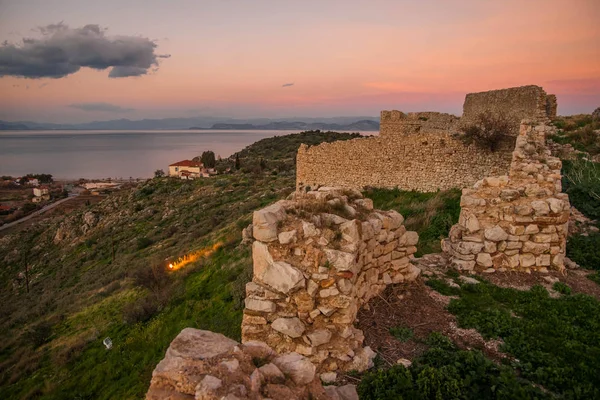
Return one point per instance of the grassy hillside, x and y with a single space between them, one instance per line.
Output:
102 272
107 277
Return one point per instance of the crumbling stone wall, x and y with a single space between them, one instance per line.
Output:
516 104
204 365
425 162
317 259
422 151
515 222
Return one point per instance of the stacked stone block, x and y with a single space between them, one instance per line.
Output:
515 222
317 259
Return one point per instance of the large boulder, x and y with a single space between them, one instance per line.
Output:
265 221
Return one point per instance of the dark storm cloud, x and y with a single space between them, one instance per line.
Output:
62 51
287 85
105 107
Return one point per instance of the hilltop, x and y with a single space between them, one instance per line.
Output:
102 272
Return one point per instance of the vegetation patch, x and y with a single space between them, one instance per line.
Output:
402 333
584 250
445 372
581 181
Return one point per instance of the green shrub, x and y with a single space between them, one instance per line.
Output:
584 250
445 372
595 277
402 333
489 131
555 340
39 334
581 181
562 288
143 242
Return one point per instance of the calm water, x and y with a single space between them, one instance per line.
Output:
115 154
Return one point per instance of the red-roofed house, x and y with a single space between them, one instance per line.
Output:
186 169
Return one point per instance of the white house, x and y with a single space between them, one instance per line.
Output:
187 169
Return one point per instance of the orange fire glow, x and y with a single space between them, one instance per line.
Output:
194 256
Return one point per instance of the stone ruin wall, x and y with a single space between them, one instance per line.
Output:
314 269
203 365
422 151
425 162
515 222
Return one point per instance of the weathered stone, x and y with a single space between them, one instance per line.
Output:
484 259
319 337
350 231
291 327
535 248
363 359
531 229
556 205
271 373
495 234
281 276
328 377
332 291
207 388
309 229
260 305
265 221
347 392
345 286
472 223
540 207
297 367
527 260
287 237
342 261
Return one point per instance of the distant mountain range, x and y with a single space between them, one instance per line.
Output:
362 125
332 123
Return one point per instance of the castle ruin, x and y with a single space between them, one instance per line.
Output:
422 151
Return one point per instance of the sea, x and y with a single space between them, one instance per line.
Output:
115 154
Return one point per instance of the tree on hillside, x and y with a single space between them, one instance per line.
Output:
208 159
159 173
237 161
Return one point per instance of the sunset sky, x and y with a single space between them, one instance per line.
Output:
284 58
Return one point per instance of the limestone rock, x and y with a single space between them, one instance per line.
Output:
281 276
342 261
287 237
363 359
260 305
319 337
292 327
264 222
271 373
207 388
540 207
309 229
495 234
347 392
297 367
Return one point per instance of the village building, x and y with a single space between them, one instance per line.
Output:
40 194
188 169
